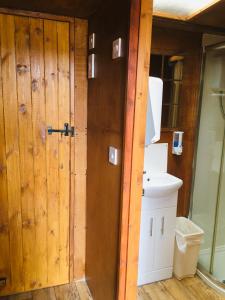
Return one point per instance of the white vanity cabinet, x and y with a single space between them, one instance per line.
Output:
157 235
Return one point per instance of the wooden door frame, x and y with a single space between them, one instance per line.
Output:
134 142
32 14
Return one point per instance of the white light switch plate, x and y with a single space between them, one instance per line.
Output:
91 41
113 155
117 48
91 66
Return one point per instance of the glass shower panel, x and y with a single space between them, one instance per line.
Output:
218 258
208 159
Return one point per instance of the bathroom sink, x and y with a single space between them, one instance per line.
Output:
160 184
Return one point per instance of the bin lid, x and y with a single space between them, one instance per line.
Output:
187 228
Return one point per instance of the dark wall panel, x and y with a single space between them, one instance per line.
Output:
106 100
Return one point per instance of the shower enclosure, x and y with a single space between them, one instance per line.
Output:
208 193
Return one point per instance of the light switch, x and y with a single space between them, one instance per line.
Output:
117 48
113 155
91 66
91 41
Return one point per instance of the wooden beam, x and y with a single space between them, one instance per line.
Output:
39 15
128 133
168 15
186 26
80 167
137 140
203 9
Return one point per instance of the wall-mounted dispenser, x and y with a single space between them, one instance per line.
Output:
177 147
154 110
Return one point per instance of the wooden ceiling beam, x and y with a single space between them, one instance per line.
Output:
186 26
72 8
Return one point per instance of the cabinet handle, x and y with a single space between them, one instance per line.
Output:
151 226
162 225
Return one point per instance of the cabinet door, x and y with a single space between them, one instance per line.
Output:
164 240
147 242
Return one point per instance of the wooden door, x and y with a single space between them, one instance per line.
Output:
34 166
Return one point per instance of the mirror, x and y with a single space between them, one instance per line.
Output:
169 69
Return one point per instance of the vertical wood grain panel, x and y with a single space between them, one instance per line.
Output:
138 147
106 103
39 139
72 153
81 31
4 223
36 169
12 150
127 150
64 147
52 152
22 42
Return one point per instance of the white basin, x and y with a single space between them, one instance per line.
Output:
160 185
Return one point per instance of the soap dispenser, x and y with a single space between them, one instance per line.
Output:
177 147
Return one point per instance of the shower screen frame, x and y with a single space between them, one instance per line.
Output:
209 272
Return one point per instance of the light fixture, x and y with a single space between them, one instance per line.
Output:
180 8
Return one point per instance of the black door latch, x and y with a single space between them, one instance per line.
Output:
67 131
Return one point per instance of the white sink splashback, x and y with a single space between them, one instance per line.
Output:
157 183
156 158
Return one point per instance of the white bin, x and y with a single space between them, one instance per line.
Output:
187 245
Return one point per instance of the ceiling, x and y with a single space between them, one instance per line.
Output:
180 9
210 16
77 8
214 16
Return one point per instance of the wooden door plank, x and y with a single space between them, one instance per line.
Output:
64 147
12 149
72 153
22 42
39 138
52 150
4 223
81 32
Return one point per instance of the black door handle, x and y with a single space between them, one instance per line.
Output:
67 131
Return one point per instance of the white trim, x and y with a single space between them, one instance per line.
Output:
212 284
